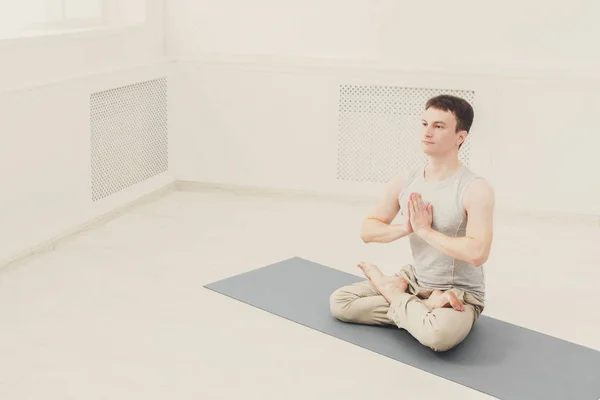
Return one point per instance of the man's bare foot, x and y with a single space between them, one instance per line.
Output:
388 286
439 299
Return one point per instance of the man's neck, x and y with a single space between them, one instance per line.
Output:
440 168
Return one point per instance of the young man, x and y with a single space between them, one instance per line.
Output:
448 213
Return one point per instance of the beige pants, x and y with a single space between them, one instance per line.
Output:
440 329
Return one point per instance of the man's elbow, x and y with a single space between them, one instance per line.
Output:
364 236
480 258
365 233
478 261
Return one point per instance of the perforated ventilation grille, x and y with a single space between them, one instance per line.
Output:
129 140
379 127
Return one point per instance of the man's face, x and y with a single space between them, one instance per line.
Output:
438 133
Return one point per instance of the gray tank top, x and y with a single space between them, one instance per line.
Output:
433 268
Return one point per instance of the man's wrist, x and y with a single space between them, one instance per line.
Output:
402 230
424 233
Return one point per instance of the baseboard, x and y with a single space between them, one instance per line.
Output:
62 238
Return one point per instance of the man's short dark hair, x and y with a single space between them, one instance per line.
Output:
462 110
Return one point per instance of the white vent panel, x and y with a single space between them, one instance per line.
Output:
129 136
378 132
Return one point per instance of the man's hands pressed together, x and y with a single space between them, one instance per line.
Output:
420 214
474 246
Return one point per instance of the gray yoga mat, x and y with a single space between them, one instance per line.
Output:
497 358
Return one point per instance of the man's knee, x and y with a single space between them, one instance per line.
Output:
449 332
341 304
338 304
440 341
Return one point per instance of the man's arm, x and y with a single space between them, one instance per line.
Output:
475 246
377 227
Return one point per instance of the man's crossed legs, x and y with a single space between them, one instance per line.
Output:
438 320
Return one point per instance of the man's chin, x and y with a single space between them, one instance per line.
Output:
427 149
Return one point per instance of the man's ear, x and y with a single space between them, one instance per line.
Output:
462 136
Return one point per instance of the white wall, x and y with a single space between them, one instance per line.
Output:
45 92
254 99
465 35
258 86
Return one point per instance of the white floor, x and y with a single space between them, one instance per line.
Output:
119 312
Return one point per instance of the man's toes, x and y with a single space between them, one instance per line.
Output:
403 284
367 271
455 302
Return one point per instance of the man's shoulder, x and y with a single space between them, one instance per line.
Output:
479 191
401 179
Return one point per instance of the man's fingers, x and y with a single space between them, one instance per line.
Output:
416 204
